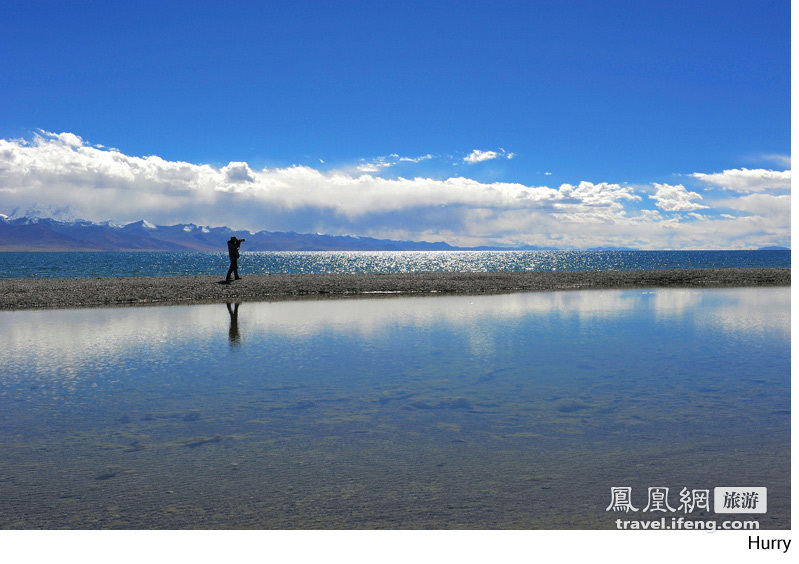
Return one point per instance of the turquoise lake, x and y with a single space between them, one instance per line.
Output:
516 411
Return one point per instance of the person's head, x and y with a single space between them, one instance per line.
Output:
233 239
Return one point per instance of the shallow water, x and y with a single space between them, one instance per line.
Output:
510 411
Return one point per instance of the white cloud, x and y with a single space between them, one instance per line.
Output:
426 157
56 168
780 160
761 198
602 194
676 198
748 180
238 172
478 156
369 167
62 170
776 207
380 163
68 139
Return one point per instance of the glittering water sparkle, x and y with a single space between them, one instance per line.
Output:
78 265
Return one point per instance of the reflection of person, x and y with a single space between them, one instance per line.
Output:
233 334
233 250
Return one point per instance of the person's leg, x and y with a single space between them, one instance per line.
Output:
232 269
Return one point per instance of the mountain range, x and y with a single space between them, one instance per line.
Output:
48 234
57 229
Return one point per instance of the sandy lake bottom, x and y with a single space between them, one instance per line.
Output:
514 411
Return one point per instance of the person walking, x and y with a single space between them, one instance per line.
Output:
233 250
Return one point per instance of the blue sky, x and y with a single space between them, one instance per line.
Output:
575 124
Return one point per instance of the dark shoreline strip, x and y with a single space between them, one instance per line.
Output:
51 293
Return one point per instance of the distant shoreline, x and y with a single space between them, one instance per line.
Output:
38 249
60 293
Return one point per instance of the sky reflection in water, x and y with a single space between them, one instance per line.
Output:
518 410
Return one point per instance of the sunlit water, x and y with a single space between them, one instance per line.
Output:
510 411
79 265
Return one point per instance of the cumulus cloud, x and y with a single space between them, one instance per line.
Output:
748 180
238 172
478 156
676 198
69 139
760 197
57 168
98 184
602 194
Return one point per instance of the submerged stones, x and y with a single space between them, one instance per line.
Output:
110 472
200 441
454 403
303 404
393 395
424 403
571 406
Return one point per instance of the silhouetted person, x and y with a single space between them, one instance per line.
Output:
233 334
233 250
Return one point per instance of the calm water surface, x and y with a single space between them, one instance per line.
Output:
510 411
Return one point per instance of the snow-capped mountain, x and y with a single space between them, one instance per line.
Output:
20 232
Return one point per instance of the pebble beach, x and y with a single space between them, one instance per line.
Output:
52 293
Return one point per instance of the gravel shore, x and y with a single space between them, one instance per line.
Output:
44 293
